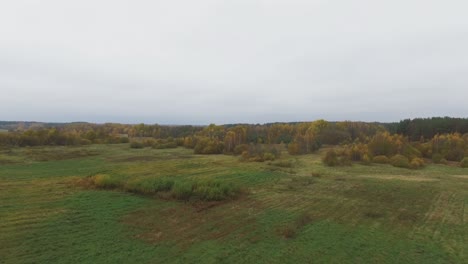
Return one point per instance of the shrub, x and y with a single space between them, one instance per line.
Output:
464 162
333 158
260 153
400 161
149 142
444 161
381 159
208 146
366 160
294 148
105 181
151 185
136 145
268 156
455 154
214 190
417 163
182 190
437 157
411 152
239 149
165 145
358 151
257 158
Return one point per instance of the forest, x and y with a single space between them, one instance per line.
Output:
409 143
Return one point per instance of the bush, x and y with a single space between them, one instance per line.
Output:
294 148
214 190
464 162
208 146
105 181
239 149
182 190
283 164
151 185
381 159
269 156
165 145
437 157
333 158
260 153
149 142
417 163
400 161
136 145
366 160
358 151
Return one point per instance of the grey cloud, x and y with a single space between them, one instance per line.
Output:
232 61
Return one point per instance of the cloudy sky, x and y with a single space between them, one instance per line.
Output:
198 62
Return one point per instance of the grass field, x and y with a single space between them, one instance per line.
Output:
292 211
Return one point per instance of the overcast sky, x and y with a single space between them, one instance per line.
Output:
198 62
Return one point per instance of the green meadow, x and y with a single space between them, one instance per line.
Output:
115 204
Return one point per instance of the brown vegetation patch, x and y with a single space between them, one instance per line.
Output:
373 214
58 154
148 158
188 223
399 177
290 230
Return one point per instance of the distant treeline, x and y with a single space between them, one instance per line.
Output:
39 134
241 139
427 128
301 138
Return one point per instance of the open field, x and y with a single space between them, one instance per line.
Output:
294 210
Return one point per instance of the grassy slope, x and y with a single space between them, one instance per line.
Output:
358 214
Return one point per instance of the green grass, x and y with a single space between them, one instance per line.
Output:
300 213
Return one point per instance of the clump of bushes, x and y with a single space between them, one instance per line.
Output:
333 158
366 160
260 153
381 159
400 161
156 143
417 163
167 143
208 146
208 190
180 189
437 157
464 162
105 181
214 190
136 145
150 185
282 163
239 149
450 146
